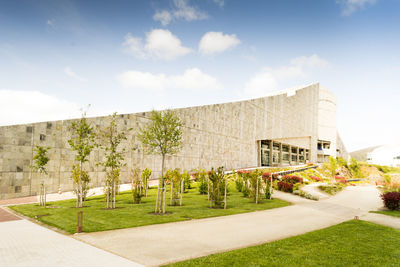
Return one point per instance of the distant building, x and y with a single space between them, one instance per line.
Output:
388 155
291 127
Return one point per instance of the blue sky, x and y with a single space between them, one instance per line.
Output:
128 56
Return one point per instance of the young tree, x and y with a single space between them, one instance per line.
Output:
111 139
40 161
82 142
163 136
355 168
332 166
136 186
145 180
218 188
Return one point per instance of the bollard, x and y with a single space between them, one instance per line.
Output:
80 221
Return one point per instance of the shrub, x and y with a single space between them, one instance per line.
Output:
244 176
340 179
292 179
201 178
217 187
315 178
267 180
285 187
187 180
256 185
239 184
391 200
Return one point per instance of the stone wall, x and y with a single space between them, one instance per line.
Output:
214 135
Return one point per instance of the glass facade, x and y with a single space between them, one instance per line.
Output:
282 154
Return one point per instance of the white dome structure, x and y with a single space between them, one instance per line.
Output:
388 155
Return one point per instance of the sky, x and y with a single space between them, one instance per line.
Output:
125 56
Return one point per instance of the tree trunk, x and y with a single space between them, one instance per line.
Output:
163 192
257 192
270 188
208 189
165 197
180 202
114 193
211 201
44 196
172 191
225 194
81 187
107 193
157 209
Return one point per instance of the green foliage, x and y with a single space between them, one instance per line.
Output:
332 189
40 159
384 169
239 183
146 173
176 178
256 185
114 157
332 166
81 178
82 139
202 180
187 180
352 243
136 186
355 168
82 142
217 187
163 135
268 190
342 162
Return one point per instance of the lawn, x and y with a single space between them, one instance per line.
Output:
352 243
63 214
394 213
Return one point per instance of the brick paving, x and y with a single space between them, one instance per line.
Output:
6 216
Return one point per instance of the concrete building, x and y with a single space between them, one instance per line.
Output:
291 127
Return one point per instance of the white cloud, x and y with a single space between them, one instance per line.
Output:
260 84
50 22
160 44
68 71
163 16
181 10
313 61
217 42
17 107
191 79
351 6
133 46
268 79
221 3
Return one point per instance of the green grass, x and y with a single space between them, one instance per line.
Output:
352 243
63 214
394 213
332 189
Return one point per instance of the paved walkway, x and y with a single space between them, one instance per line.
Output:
160 244
314 191
386 220
23 243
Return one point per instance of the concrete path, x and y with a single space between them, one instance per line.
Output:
314 191
386 220
160 244
23 243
